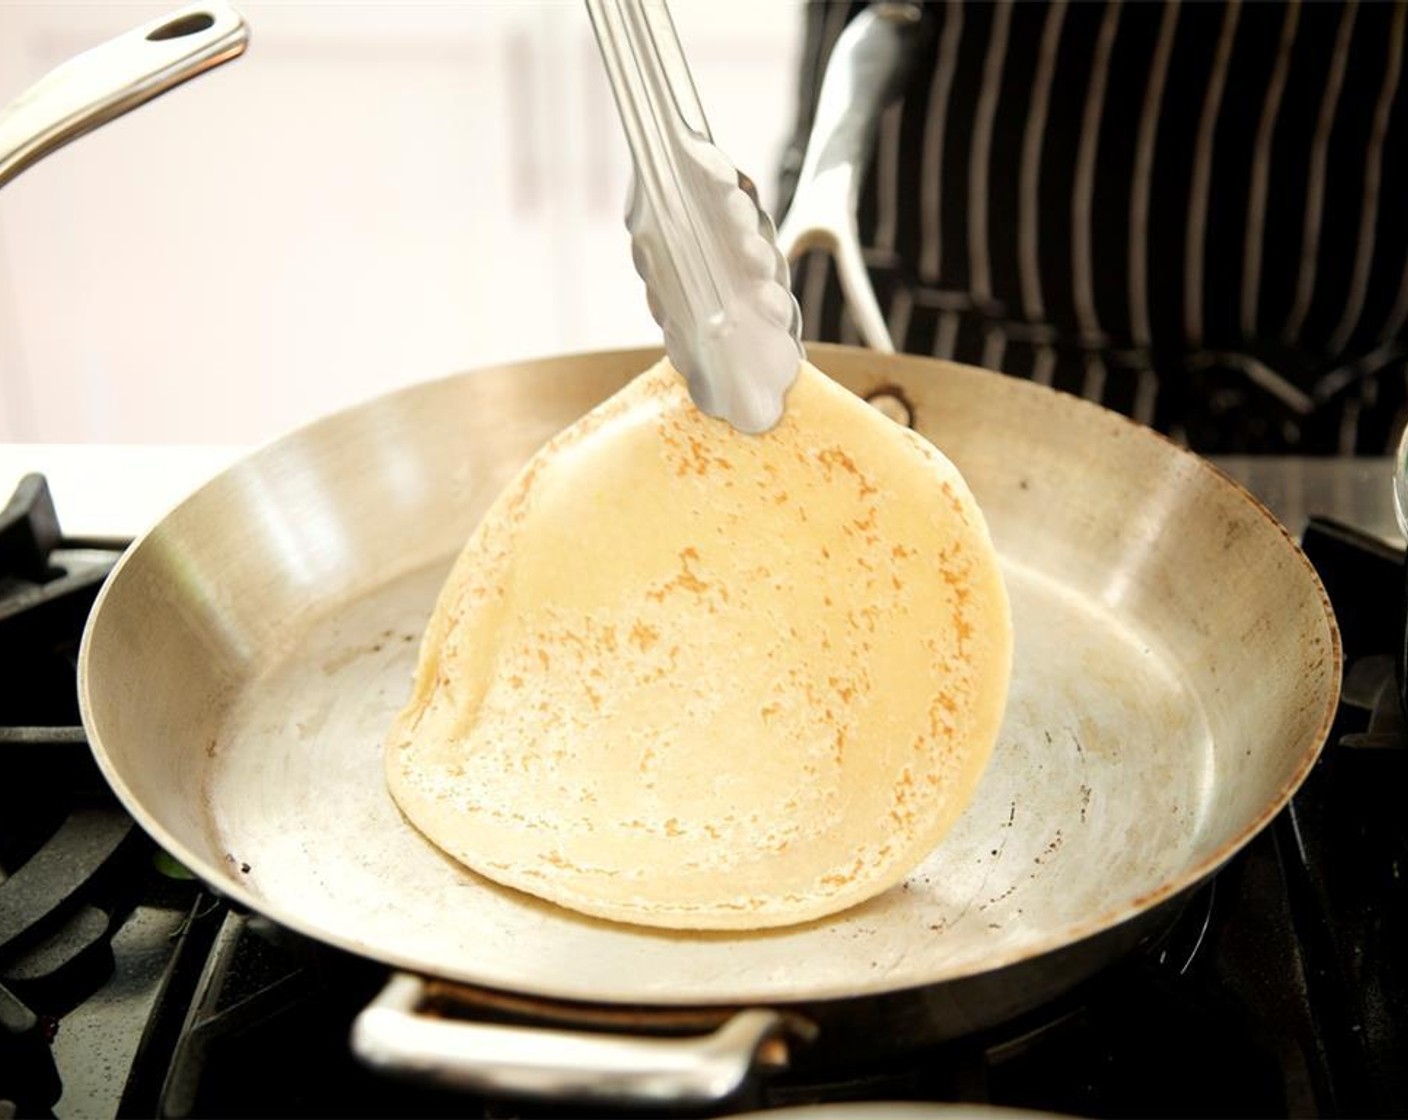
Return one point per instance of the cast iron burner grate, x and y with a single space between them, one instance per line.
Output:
125 988
269 1007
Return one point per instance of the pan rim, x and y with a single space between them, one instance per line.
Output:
217 878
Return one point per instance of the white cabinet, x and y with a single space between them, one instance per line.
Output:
374 194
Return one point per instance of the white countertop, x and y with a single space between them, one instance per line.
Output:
113 490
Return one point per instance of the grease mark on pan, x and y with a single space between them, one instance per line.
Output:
1052 847
987 874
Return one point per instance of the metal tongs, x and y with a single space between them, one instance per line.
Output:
707 252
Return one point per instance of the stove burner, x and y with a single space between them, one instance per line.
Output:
272 1001
47 587
29 530
56 847
47 936
24 1048
65 846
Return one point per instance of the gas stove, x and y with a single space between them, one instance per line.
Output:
128 987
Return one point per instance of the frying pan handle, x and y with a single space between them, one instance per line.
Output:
105 82
869 68
394 1035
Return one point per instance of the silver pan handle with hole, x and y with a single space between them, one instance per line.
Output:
868 69
394 1035
107 81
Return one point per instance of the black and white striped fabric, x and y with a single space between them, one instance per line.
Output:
1194 213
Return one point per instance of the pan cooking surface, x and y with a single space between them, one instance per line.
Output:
1096 793
1176 669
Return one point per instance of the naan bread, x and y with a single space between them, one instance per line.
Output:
686 677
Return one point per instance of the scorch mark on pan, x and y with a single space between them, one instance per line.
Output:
996 856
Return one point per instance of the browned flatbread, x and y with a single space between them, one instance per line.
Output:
686 677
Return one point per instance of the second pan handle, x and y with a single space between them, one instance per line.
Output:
107 81
394 1034
868 69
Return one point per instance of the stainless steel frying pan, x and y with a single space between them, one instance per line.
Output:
1177 667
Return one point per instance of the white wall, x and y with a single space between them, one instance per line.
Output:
374 194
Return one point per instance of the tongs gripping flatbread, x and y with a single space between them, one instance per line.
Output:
707 252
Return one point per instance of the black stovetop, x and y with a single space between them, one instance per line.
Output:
128 988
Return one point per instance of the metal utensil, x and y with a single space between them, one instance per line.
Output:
716 283
107 81
868 68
